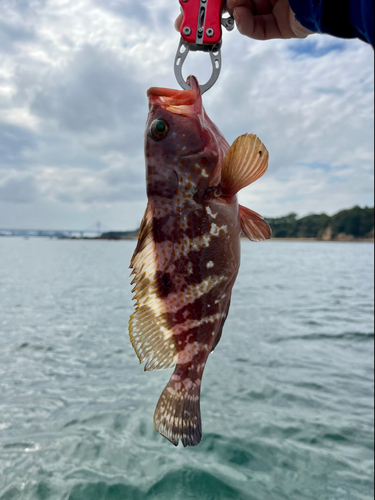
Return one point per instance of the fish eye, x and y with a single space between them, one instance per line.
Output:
159 129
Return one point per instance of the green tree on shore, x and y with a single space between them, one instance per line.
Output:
357 222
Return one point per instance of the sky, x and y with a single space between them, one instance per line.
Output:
73 81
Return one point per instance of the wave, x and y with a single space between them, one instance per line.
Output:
359 336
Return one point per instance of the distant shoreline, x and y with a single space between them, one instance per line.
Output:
354 240
348 239
244 238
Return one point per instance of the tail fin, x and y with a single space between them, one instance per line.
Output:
177 415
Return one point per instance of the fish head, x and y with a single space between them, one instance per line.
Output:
181 141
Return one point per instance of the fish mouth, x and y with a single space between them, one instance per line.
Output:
178 102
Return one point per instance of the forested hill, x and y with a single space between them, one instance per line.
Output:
356 223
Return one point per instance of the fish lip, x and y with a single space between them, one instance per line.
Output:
179 102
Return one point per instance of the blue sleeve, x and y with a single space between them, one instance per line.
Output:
342 18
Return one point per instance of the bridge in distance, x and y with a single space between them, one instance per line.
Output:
42 233
95 230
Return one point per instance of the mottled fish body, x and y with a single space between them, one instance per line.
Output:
188 253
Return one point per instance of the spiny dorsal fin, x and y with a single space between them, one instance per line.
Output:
253 225
245 162
144 236
148 326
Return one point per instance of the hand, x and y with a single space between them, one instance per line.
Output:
263 19
266 19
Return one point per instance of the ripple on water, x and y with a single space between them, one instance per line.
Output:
351 335
100 491
287 396
194 484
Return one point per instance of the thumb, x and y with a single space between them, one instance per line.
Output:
298 30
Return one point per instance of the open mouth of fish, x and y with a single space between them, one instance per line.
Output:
178 102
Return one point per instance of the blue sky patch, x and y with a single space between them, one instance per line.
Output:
289 199
311 48
330 90
315 165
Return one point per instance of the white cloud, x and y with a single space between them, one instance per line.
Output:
18 188
73 81
311 190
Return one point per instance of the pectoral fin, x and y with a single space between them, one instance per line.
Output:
245 162
253 225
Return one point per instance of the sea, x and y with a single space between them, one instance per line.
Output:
287 397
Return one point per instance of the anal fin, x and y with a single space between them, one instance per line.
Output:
253 225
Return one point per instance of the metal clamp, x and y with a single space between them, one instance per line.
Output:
182 52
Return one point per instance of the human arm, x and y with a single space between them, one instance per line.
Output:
342 18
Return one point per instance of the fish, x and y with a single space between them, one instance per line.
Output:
188 251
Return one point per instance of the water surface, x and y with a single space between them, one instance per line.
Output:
287 397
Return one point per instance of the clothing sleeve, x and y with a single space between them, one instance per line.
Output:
342 18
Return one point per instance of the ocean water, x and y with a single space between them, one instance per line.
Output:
287 397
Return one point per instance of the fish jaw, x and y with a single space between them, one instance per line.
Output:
179 102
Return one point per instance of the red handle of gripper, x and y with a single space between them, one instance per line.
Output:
190 20
213 21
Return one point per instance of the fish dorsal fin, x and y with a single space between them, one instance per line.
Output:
245 162
149 330
253 225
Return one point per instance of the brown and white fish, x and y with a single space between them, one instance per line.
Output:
188 252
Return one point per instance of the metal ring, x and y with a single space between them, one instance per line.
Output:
215 55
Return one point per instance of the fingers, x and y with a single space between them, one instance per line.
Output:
257 27
233 4
257 7
286 21
265 22
297 28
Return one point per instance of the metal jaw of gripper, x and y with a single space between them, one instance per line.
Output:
215 55
182 52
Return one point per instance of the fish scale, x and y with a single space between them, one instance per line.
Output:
188 253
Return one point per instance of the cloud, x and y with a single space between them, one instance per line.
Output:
87 188
73 81
18 188
14 142
284 104
11 35
128 9
83 187
305 187
95 91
